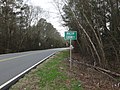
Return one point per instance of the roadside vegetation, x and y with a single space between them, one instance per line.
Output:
53 74
97 23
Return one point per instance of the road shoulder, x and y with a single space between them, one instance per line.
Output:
51 75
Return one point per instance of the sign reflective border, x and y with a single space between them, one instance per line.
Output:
70 35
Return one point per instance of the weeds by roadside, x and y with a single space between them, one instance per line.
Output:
50 75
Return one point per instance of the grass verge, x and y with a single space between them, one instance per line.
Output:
50 75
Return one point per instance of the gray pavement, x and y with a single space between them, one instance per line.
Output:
12 65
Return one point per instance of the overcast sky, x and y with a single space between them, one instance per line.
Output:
54 16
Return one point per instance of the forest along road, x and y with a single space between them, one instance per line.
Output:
15 64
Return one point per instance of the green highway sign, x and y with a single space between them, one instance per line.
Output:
70 35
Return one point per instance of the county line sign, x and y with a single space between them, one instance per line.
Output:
71 35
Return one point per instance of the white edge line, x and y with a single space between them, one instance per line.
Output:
11 80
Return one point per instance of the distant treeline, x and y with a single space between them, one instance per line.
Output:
22 29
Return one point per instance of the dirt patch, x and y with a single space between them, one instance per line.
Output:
79 76
90 78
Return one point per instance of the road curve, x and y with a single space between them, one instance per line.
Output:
12 66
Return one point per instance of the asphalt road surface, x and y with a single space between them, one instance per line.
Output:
15 64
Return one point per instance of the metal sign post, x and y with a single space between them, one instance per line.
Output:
70 54
70 35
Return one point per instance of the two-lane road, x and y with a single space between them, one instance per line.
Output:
14 65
